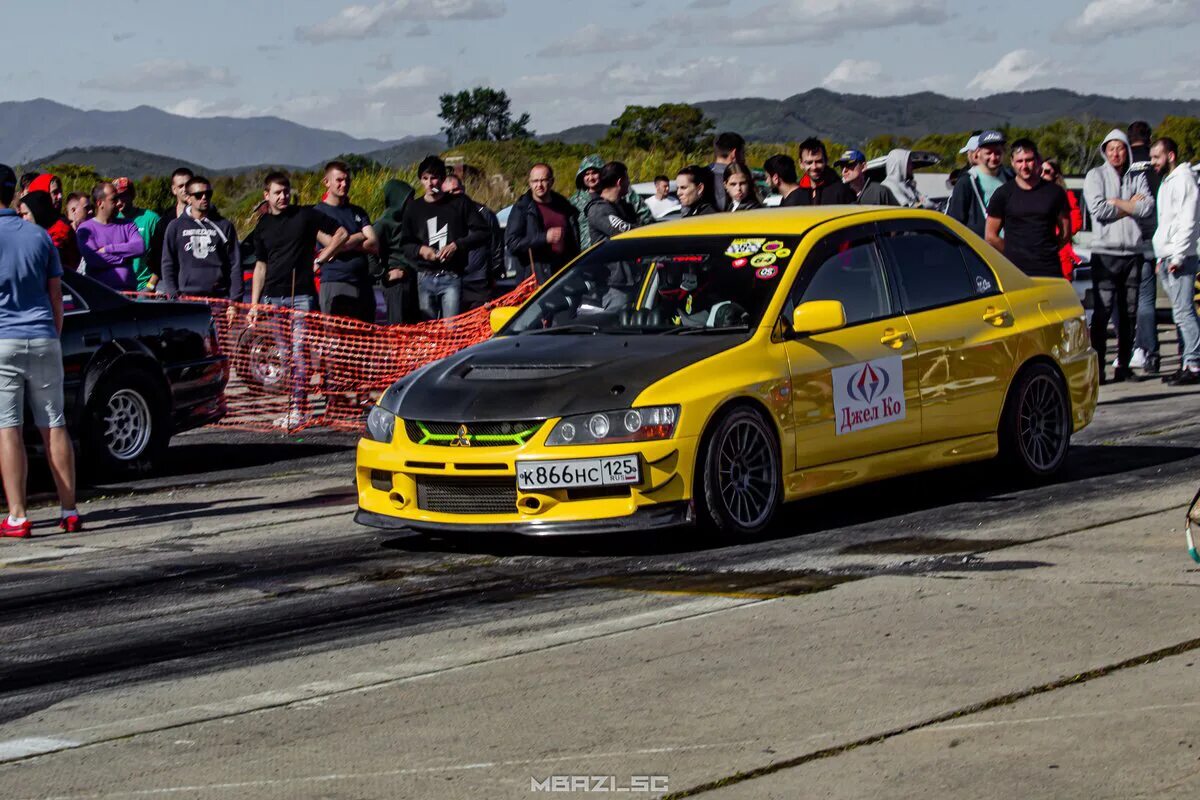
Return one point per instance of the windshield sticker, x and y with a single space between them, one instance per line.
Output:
868 394
744 247
982 285
738 263
783 252
766 273
763 260
771 247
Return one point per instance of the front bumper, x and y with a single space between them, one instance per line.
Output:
668 515
393 478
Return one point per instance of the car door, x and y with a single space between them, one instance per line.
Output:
855 389
962 321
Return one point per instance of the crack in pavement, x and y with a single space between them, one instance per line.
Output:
975 708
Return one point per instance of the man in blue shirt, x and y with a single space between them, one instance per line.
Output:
31 367
346 286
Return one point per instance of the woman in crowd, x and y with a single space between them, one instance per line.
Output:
1067 256
740 191
38 208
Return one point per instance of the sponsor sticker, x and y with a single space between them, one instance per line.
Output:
766 273
771 247
783 252
763 260
868 394
738 263
744 247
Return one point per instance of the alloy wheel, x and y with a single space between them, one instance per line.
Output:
746 474
1043 425
128 425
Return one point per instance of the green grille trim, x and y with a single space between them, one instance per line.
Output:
521 437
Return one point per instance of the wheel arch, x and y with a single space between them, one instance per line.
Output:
724 407
1037 358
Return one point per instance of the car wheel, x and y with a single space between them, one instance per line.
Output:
259 363
740 483
1035 428
127 424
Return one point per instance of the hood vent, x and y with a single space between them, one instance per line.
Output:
517 372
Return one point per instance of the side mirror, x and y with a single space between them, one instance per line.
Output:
818 316
500 317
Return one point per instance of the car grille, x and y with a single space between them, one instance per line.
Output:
467 495
471 434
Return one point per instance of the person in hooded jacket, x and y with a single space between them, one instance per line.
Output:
390 266
900 182
51 185
201 255
586 178
608 214
41 211
820 185
1118 199
543 227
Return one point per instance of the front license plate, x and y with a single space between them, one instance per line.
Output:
612 471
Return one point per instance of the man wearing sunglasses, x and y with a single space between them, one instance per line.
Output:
200 255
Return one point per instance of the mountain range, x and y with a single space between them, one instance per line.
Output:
125 141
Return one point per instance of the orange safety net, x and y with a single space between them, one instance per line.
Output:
291 370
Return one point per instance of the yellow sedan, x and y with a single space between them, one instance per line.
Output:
710 369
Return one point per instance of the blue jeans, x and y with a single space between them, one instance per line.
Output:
1180 287
1147 323
290 339
439 294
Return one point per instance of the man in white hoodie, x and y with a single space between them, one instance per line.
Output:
1117 200
1175 252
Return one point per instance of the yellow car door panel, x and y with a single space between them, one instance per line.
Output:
963 324
855 390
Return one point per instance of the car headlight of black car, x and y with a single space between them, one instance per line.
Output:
381 420
606 427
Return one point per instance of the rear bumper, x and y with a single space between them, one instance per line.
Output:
667 515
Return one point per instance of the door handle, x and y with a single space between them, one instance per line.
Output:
996 316
893 338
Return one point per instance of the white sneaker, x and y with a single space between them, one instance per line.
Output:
1139 358
290 421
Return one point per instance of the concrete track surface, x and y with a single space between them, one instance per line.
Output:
226 631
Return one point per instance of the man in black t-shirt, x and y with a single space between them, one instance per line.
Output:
284 243
346 286
436 234
1033 214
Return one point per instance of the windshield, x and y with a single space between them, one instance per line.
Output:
667 284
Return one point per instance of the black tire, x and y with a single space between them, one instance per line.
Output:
259 363
1035 428
127 424
739 485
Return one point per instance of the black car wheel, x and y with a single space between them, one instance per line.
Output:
739 485
260 363
127 425
1035 428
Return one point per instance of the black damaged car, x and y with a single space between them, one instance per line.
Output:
135 374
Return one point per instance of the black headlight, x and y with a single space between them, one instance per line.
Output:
627 425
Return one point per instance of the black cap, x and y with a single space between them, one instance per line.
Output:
7 176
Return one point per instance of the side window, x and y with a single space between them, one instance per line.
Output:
982 277
848 270
930 269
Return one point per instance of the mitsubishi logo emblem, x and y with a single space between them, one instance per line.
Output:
463 439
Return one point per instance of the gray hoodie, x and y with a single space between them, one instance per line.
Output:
1116 233
897 181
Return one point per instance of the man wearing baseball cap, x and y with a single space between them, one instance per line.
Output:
31 364
146 268
969 200
853 166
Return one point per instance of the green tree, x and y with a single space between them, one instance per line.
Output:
481 114
1186 133
357 163
673 127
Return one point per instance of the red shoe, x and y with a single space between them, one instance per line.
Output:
71 524
21 531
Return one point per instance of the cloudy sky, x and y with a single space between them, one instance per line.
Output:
376 69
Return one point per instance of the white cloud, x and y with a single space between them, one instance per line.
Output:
787 22
162 75
1016 70
1103 18
420 77
196 107
418 30
363 21
708 3
592 38
854 74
